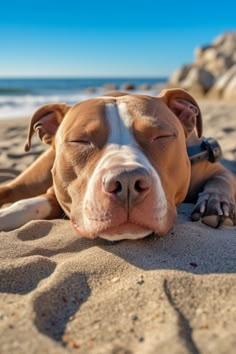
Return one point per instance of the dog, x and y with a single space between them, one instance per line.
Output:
118 166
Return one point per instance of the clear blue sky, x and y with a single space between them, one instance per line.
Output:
106 38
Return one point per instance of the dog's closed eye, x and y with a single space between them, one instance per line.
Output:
165 136
80 141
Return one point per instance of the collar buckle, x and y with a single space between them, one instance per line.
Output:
209 150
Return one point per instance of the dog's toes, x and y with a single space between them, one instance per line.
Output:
228 222
195 216
212 220
215 209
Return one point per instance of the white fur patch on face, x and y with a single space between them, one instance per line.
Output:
119 122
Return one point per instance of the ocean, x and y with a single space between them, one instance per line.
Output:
21 97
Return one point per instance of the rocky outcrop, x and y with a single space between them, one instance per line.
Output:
128 86
213 72
223 83
145 87
110 87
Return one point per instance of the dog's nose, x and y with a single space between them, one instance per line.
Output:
128 186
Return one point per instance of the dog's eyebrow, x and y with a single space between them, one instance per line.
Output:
158 123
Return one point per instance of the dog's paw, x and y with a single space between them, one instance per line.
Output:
215 209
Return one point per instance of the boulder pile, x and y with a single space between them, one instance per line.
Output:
213 73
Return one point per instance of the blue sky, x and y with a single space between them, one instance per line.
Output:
106 38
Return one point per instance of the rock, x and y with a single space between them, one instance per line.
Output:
145 87
212 71
179 75
234 58
198 78
219 40
209 54
222 83
230 90
218 66
110 87
129 87
90 90
199 51
228 46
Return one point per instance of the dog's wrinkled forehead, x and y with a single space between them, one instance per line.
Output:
114 117
136 106
121 113
136 111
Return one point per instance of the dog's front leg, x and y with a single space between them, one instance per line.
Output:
44 206
216 203
35 180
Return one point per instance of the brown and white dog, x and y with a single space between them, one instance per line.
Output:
118 166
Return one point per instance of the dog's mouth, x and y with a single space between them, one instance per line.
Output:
126 230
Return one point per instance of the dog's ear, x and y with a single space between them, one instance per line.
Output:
45 121
184 106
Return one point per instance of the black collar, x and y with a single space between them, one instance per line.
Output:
209 150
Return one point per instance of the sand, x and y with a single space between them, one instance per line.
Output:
60 293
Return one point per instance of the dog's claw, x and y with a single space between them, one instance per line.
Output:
226 210
203 208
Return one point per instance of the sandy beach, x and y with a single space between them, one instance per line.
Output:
60 293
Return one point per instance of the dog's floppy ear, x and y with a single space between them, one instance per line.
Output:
45 122
185 108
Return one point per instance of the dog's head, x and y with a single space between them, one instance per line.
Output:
121 165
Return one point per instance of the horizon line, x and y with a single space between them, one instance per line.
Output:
164 77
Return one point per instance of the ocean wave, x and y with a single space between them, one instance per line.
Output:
17 106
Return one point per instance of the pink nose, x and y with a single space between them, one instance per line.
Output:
128 186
